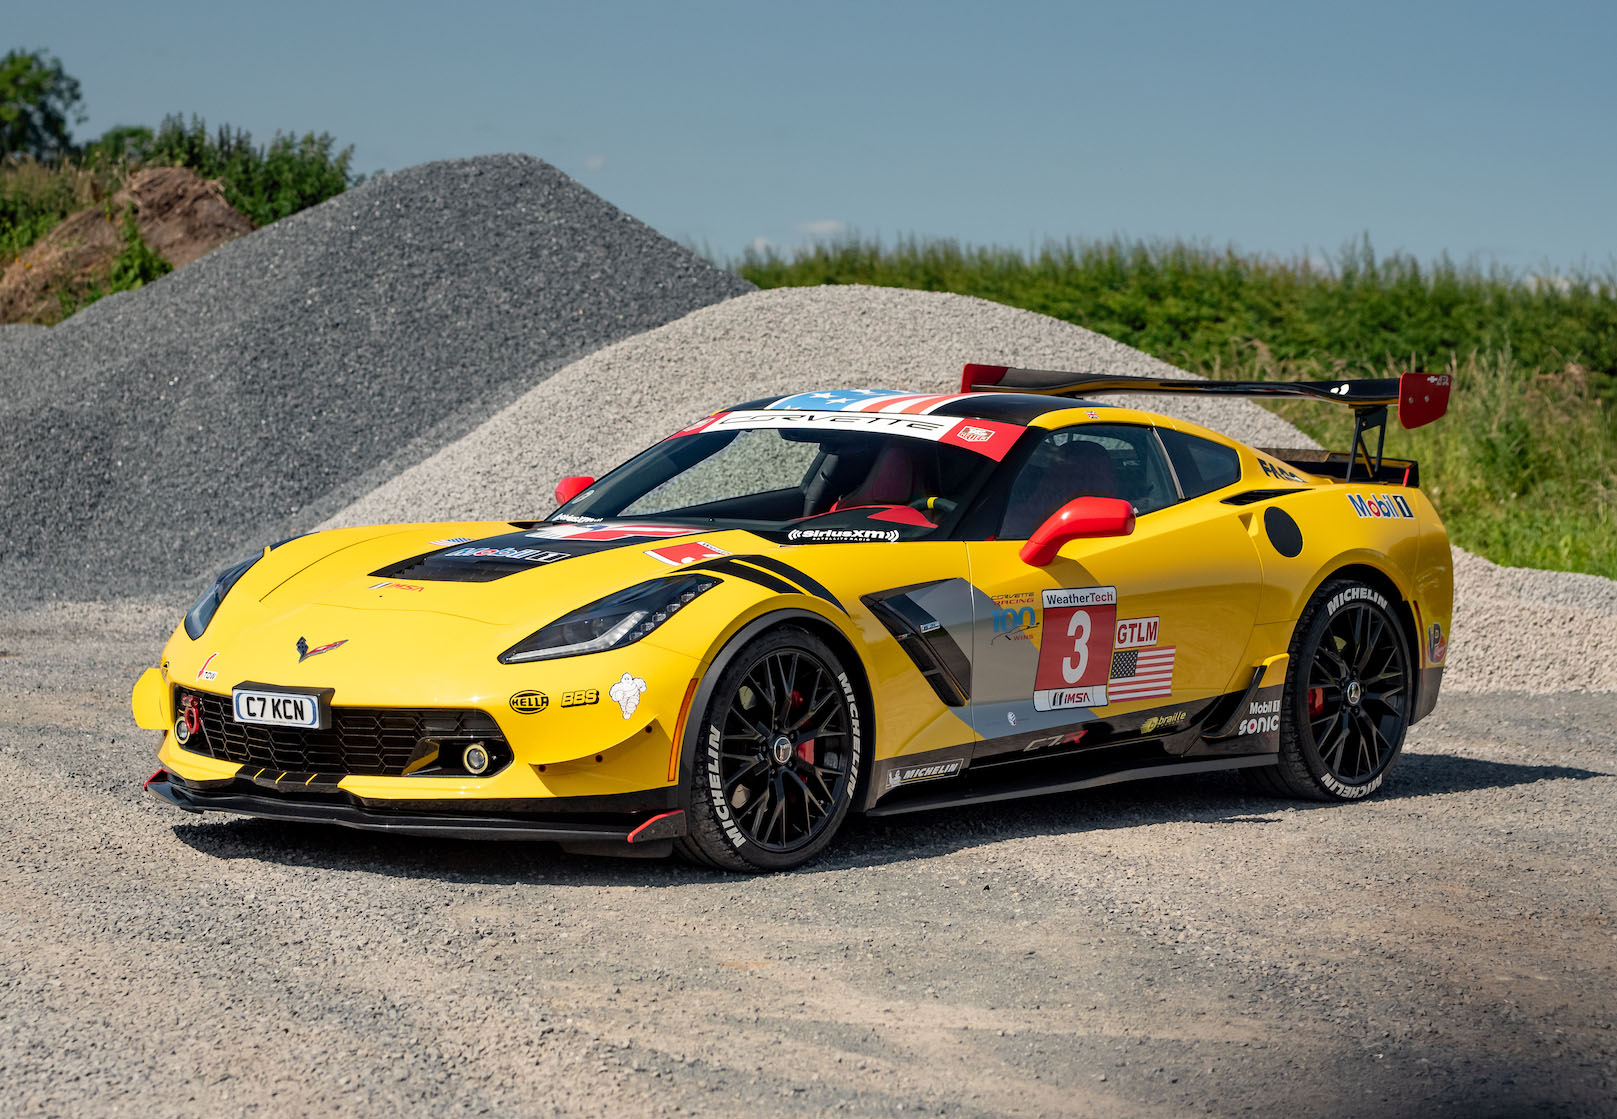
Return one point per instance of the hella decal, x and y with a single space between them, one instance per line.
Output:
529 702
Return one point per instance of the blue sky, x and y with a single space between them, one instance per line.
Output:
1480 129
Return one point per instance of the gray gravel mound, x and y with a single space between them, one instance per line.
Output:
154 436
1517 629
604 408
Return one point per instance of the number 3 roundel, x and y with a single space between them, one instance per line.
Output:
1075 649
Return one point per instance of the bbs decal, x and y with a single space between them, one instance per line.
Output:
1354 594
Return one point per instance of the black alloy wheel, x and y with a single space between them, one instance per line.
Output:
1349 692
775 771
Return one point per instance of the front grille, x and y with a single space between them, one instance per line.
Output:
369 741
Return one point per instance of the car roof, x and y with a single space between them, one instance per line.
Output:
1006 407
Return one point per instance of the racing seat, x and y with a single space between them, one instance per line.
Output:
1054 475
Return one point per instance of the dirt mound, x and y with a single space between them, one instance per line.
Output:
180 214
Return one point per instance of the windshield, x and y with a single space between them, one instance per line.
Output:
813 486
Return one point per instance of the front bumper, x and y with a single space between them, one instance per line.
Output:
609 820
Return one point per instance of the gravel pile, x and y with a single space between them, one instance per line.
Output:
1521 630
597 412
154 435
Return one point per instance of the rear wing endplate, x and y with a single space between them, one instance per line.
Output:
1419 398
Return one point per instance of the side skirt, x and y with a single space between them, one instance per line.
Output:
1103 767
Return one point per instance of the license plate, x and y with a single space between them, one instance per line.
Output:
277 708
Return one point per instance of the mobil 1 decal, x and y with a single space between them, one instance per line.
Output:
1075 648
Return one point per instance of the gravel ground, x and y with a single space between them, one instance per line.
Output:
1179 947
249 395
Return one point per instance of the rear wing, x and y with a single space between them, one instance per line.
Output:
1419 398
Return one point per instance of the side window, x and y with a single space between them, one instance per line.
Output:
1095 460
1202 465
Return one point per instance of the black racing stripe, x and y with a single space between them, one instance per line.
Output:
786 570
728 566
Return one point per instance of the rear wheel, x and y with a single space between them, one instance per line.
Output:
1349 691
778 759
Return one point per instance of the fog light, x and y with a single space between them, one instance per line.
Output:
475 759
182 731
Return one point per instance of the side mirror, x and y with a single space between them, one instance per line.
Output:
571 486
1079 518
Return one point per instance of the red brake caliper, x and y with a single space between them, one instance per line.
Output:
1316 701
805 750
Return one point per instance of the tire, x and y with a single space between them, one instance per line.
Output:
778 758
1348 693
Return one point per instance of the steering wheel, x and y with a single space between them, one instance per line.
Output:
941 505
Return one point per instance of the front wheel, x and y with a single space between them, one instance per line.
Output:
1349 691
778 760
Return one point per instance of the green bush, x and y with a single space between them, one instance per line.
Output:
265 183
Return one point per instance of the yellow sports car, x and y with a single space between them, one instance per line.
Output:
834 602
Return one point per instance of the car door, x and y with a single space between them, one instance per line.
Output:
1117 636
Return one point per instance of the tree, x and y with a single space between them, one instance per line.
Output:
37 98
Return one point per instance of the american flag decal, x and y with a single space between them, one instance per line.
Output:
1141 674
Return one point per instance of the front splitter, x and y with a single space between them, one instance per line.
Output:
646 829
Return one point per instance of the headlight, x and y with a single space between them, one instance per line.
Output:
612 622
198 617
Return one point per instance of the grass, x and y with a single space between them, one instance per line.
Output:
1523 468
36 197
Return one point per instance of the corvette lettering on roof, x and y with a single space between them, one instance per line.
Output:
986 437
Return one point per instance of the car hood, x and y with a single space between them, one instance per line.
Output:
495 573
